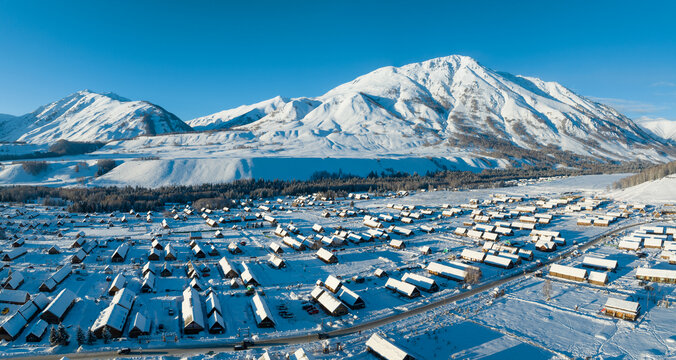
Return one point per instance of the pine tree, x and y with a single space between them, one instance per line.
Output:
53 337
106 335
63 335
80 335
90 337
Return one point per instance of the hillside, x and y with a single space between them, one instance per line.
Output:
441 106
89 116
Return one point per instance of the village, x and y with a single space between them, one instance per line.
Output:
310 266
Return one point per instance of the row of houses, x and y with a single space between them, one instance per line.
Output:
12 327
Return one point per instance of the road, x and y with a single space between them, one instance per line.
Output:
302 339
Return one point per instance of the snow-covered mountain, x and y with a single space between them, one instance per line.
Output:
661 127
238 116
439 105
90 116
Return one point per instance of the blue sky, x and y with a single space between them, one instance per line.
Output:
196 58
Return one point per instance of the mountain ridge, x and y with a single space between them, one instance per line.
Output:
90 116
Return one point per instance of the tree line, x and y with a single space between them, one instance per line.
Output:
649 174
108 199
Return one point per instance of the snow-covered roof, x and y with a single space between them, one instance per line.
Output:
40 300
213 303
13 325
568 271
400 286
192 307
446 271
329 302
124 298
38 329
473 255
658 273
348 296
386 349
261 311
333 283
14 296
498 260
140 322
114 316
599 263
420 281
61 303
118 283
600 277
622 305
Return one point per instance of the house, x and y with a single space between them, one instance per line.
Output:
148 284
18 242
78 257
262 314
117 284
166 270
473 255
13 254
233 248
317 228
124 298
384 349
120 253
139 326
17 297
78 242
148 267
57 278
403 288
525 254
199 253
351 298
216 323
545 245
226 269
59 307
331 305
276 261
276 248
12 327
333 283
213 304
248 277
14 280
191 307
568 272
54 250
421 282
293 243
37 331
112 319
622 309
447 272
154 254
656 275
213 251
195 284
379 272
326 256
156 245
397 244
499 261
598 278
629 245
598 263
169 253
